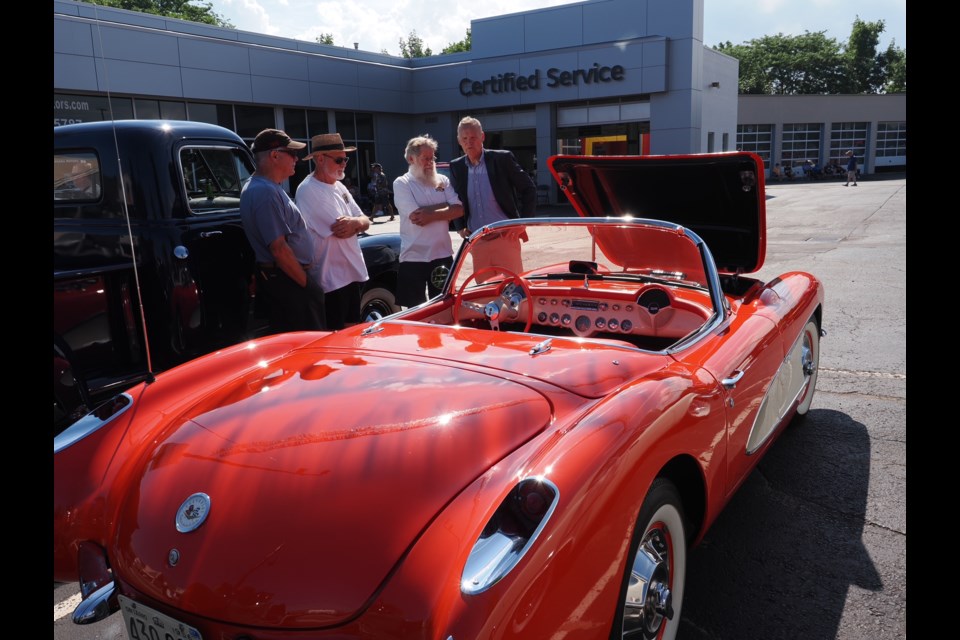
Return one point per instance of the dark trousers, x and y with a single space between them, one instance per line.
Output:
292 307
343 306
414 277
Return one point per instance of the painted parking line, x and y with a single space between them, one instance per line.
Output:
66 607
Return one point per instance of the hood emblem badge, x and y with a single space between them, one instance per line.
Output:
193 512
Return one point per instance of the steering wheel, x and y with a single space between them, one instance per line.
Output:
505 306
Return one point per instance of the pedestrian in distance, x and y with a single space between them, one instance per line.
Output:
851 169
776 173
379 189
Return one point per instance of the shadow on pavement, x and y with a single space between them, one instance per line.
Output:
780 559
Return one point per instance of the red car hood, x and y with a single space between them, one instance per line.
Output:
720 196
322 469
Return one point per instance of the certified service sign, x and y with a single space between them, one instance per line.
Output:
193 512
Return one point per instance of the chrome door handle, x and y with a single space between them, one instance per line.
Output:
731 382
210 234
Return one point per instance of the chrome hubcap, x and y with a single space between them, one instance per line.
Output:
648 600
809 366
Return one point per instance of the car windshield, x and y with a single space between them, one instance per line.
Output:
544 252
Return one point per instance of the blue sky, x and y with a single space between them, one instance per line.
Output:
379 24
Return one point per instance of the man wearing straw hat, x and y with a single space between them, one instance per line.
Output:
335 220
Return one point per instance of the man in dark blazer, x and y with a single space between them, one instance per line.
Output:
492 186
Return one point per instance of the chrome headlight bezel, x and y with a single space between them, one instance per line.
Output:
509 534
102 415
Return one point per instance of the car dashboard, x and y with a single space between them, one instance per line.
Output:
649 316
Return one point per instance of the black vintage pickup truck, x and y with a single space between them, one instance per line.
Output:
151 266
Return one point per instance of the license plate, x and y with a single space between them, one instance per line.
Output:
144 623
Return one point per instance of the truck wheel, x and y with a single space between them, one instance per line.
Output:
377 300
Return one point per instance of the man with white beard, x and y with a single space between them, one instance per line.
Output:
426 203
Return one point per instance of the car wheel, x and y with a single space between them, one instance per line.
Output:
377 300
810 361
652 588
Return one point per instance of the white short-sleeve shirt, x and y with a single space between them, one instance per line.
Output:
340 259
430 241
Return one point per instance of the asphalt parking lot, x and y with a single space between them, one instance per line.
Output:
813 545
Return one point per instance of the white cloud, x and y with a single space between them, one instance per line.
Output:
379 24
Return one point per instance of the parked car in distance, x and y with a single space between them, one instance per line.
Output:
528 455
154 269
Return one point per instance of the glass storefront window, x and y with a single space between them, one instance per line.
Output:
616 139
801 142
146 109
170 110
295 123
317 122
225 117
253 120
756 138
891 139
201 112
73 109
364 122
891 151
845 136
345 126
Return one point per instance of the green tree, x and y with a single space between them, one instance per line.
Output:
780 64
864 73
815 64
456 47
895 69
412 47
325 38
192 10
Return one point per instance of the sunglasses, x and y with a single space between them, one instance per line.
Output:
342 160
289 152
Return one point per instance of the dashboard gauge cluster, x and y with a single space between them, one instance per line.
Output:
585 317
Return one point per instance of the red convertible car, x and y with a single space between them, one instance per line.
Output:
528 455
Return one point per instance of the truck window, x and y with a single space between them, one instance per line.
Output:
76 176
213 177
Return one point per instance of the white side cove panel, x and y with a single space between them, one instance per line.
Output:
783 392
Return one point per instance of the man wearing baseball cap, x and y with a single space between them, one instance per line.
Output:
851 168
286 277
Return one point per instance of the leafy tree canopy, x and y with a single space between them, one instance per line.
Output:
812 63
325 38
192 10
412 47
463 45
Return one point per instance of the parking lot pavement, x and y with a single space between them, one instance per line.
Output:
813 545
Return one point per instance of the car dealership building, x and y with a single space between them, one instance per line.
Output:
603 77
